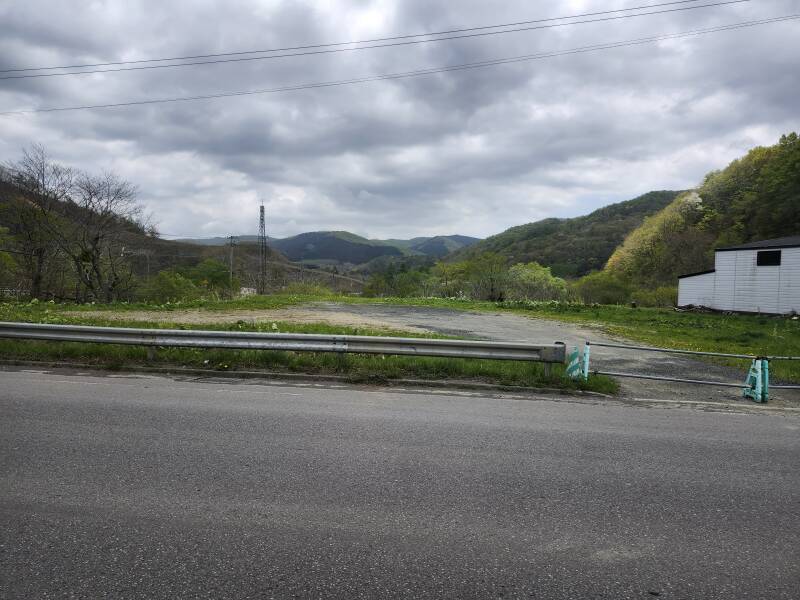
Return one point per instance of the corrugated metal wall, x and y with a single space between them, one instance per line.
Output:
740 284
725 265
755 288
789 285
697 290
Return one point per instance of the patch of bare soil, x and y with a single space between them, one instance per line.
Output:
289 315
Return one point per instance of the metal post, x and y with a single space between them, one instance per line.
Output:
586 360
232 243
759 386
765 380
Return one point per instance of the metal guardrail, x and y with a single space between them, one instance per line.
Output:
671 350
298 342
756 386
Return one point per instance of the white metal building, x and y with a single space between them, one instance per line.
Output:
759 277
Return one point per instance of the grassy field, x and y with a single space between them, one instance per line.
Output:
356 368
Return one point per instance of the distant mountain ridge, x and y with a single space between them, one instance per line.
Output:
343 247
332 247
572 247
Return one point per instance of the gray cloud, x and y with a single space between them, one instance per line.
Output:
469 152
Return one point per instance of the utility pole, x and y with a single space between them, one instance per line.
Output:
262 251
146 252
231 242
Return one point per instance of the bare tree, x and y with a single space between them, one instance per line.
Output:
99 216
37 188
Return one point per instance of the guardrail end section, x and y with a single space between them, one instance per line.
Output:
574 369
578 364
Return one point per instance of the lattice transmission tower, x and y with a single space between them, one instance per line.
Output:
262 252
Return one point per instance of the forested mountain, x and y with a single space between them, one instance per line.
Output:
333 247
442 245
341 246
755 197
220 241
572 247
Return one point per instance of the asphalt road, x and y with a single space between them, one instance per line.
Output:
150 487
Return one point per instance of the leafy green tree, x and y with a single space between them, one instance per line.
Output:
397 281
451 278
666 244
488 276
212 275
532 281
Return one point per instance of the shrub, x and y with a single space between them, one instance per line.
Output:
603 287
663 297
532 281
169 286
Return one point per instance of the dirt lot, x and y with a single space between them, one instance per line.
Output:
307 314
497 326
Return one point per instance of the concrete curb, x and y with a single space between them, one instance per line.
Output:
309 377
512 392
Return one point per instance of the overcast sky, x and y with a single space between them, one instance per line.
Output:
470 152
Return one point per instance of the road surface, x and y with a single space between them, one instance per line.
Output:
130 486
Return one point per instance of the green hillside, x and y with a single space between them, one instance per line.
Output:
333 246
572 247
435 247
220 241
442 245
755 197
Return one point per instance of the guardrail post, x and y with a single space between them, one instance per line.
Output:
765 379
586 347
574 369
753 382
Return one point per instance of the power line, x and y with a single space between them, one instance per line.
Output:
367 41
419 72
332 50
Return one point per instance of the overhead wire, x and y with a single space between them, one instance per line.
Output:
333 50
366 41
419 72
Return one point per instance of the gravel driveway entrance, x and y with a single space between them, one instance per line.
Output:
513 327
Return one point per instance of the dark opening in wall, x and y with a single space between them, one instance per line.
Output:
768 258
